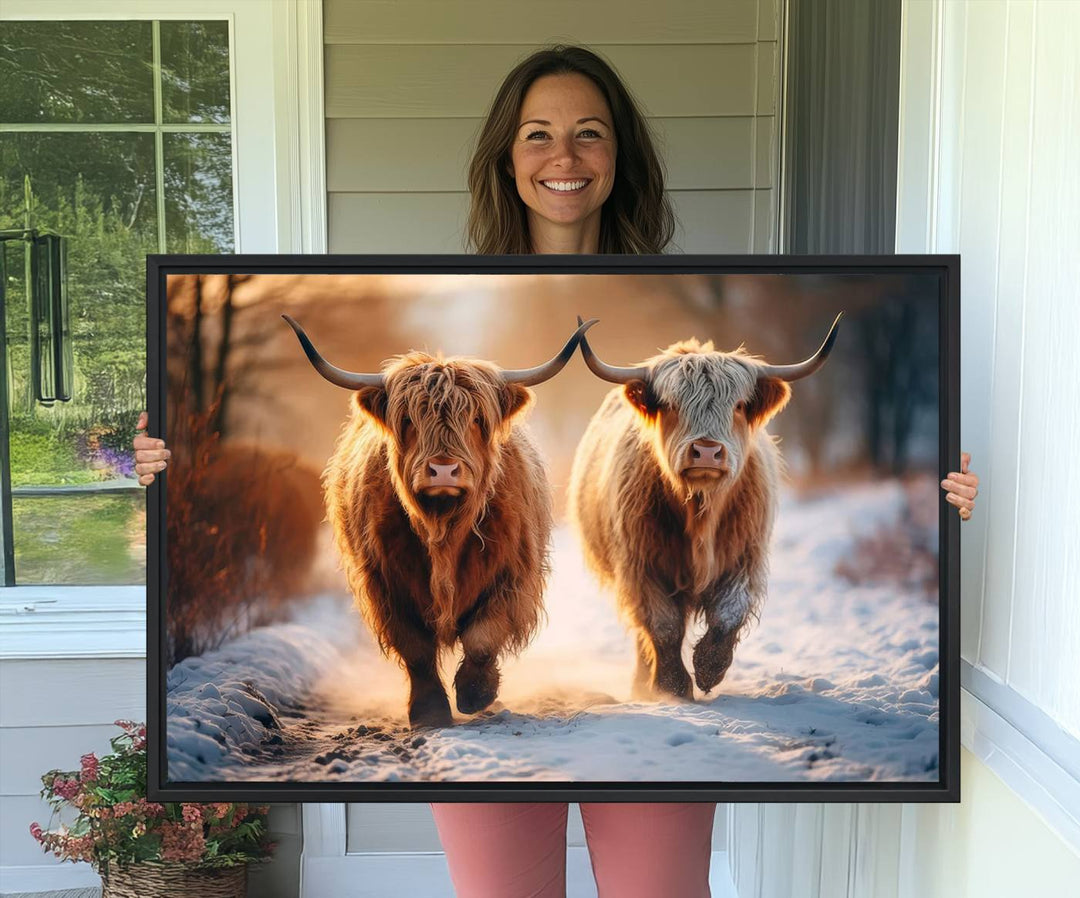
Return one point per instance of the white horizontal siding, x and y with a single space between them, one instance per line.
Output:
709 221
52 713
28 751
78 692
636 22
407 85
388 155
459 80
379 222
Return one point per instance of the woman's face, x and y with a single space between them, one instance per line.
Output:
563 154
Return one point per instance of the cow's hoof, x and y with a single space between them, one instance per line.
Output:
706 679
676 685
476 687
431 712
712 658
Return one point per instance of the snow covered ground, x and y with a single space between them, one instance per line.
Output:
837 682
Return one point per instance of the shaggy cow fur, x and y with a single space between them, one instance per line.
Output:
671 540
428 568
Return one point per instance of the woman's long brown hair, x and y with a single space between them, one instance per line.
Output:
637 216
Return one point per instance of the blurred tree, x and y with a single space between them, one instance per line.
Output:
900 359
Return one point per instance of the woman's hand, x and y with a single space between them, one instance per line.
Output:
151 455
962 487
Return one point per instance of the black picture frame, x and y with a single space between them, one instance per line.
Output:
947 270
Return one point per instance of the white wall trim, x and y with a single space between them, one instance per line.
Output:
918 126
73 622
298 37
324 828
1041 782
780 182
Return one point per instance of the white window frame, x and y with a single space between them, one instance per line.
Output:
279 200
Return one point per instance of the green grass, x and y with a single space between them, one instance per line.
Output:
84 540
41 459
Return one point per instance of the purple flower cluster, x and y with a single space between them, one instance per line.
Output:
93 449
118 462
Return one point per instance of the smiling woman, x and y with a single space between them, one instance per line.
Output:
560 118
563 162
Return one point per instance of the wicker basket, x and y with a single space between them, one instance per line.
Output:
163 880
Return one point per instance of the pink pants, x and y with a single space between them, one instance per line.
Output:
500 850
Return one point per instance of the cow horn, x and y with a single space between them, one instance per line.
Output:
530 377
335 375
609 372
807 367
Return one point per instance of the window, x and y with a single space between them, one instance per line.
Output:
117 136
278 171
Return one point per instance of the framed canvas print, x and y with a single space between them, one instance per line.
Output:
553 528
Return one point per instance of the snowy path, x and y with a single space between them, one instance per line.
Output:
836 682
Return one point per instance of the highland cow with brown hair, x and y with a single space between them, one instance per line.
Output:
441 509
674 491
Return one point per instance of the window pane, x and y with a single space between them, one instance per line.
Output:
195 71
99 191
76 72
198 193
81 540
81 183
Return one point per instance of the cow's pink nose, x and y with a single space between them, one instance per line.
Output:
444 475
708 454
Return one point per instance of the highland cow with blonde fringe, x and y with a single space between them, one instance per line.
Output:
674 492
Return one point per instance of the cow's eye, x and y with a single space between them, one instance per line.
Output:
406 423
740 407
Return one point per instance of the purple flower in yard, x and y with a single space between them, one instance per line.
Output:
118 462
111 463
